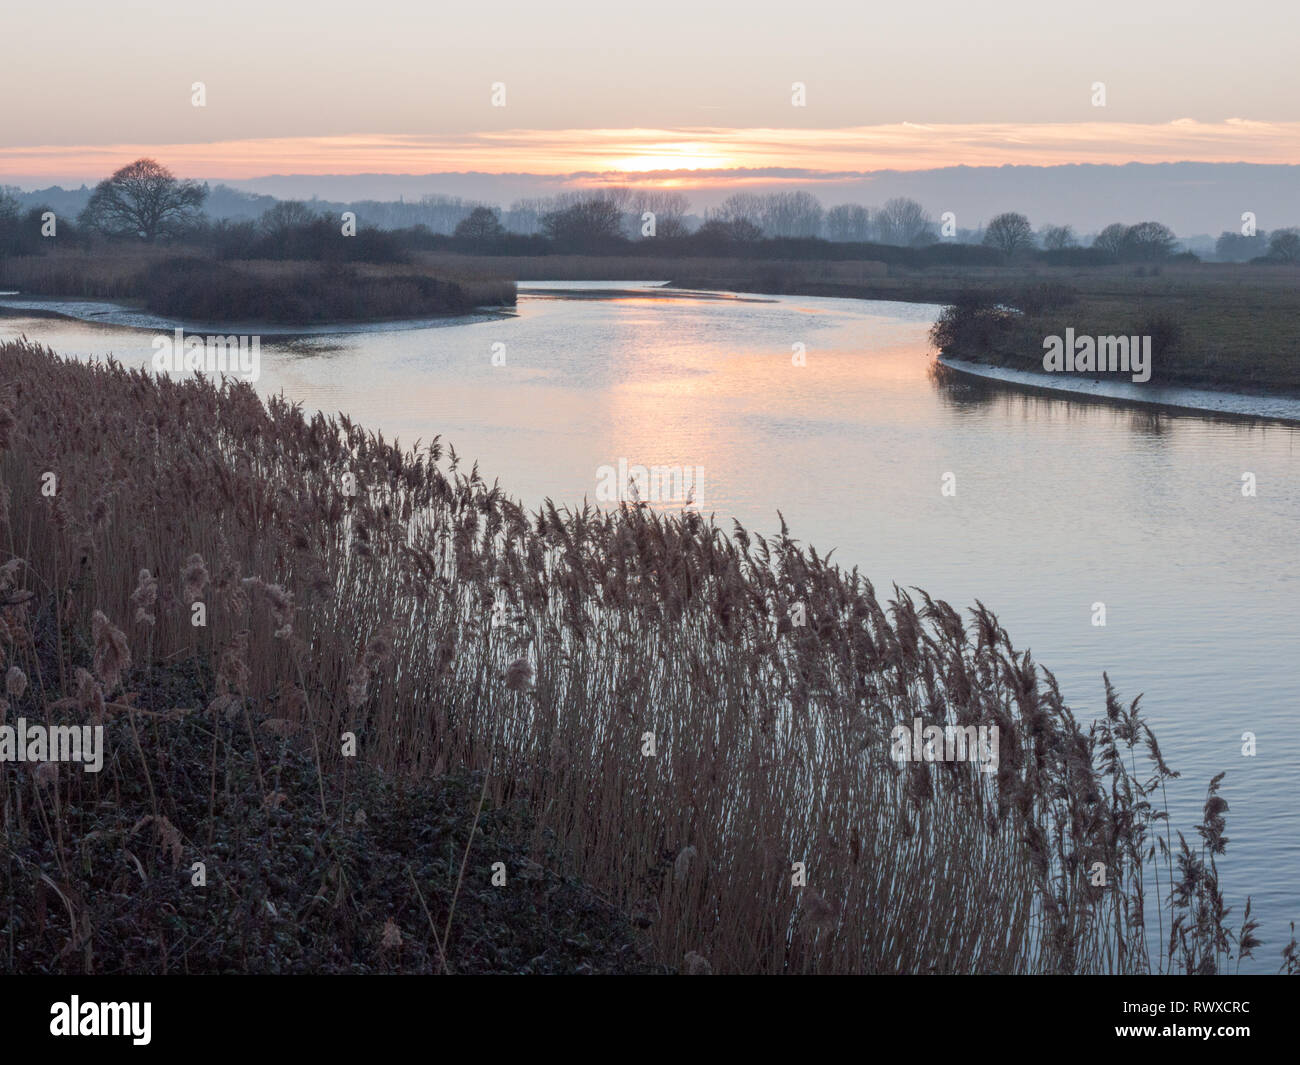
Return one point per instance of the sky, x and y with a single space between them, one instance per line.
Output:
393 86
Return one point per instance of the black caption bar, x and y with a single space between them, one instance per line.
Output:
335 1014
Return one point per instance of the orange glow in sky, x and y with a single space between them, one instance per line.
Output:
669 156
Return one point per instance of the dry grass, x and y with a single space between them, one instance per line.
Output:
79 273
371 612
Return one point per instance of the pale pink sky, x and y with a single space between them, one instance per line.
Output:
405 86
902 147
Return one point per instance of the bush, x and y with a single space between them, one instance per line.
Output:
206 290
977 325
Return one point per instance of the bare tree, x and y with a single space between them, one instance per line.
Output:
669 209
1148 242
718 231
10 209
524 216
740 207
1284 245
791 214
586 224
617 196
1009 232
1111 239
903 222
285 216
848 221
143 199
1056 238
482 226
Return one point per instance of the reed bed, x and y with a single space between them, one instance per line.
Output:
78 273
352 586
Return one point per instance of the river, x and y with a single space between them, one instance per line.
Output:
1059 503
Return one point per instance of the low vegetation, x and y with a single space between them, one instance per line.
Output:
1232 327
289 887
192 287
672 714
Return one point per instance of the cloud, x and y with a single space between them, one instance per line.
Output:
685 153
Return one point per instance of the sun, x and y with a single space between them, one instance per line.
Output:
667 156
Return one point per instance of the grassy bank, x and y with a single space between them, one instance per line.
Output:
631 685
1227 326
1230 327
178 284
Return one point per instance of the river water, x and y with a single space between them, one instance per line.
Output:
1059 503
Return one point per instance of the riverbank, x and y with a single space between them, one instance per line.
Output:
1223 327
130 315
1226 328
180 284
1273 408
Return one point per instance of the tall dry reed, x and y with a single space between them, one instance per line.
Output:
351 586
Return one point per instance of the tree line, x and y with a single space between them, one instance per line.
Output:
145 202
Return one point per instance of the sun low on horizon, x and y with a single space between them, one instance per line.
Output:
670 156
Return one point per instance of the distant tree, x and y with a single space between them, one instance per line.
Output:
278 221
848 221
669 210
1234 247
1009 233
736 231
143 199
1111 239
745 207
585 225
524 216
903 222
1148 242
791 214
1284 245
1057 237
10 234
481 226
611 198
231 239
